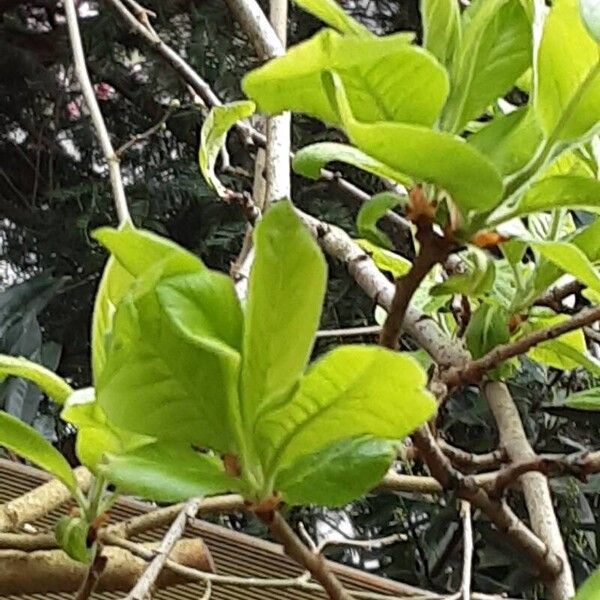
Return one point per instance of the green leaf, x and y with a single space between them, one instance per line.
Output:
114 284
28 443
285 295
71 535
495 51
487 328
426 155
476 282
352 391
385 260
567 101
559 191
168 472
213 136
551 353
369 214
204 308
585 400
442 29
568 257
158 367
50 383
337 474
139 250
330 12
590 15
386 78
309 161
509 141
590 590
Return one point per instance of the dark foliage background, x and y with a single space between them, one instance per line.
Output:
53 193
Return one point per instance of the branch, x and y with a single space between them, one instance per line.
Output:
164 516
474 371
314 563
40 501
112 160
469 462
465 514
433 250
146 582
52 571
535 485
349 331
139 137
554 297
249 135
94 572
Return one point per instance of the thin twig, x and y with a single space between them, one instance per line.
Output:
92 577
139 137
112 160
349 331
554 297
474 371
143 587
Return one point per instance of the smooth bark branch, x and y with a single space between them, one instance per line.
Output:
112 160
554 297
52 571
314 563
535 485
469 462
465 515
40 501
163 516
475 370
143 588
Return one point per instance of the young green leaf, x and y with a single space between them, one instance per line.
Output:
330 12
352 391
337 474
28 443
476 282
569 258
487 328
442 28
370 213
559 191
285 295
138 250
71 535
590 590
385 260
309 161
551 353
495 51
50 383
509 141
585 400
213 135
168 472
386 78
426 155
567 101
154 370
115 282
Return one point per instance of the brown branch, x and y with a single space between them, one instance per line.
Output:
52 571
139 137
93 575
535 485
433 250
40 501
474 371
469 462
554 297
146 582
294 548
164 516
